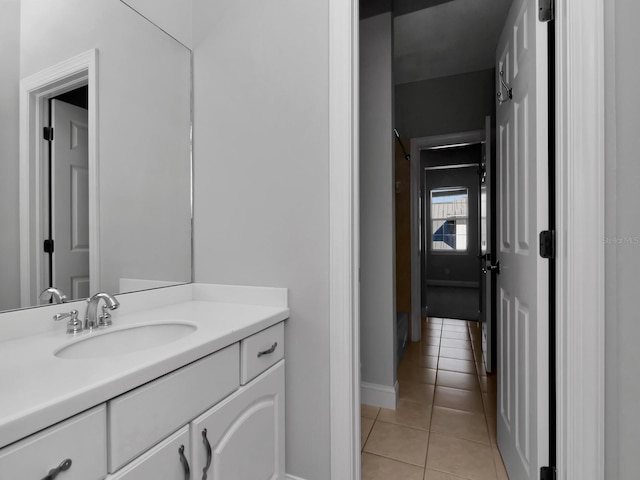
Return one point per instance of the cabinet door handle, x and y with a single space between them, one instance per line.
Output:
207 446
63 467
269 350
185 463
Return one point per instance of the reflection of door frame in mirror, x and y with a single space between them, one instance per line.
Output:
35 91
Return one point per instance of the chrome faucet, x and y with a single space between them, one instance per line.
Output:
52 293
91 319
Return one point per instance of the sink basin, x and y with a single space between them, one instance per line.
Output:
125 340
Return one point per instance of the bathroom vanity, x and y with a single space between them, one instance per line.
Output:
198 393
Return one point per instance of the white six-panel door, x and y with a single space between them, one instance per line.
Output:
70 169
522 142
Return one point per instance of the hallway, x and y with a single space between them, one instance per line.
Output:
444 424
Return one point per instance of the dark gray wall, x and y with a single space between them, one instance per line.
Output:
445 105
458 266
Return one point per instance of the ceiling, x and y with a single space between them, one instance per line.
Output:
448 37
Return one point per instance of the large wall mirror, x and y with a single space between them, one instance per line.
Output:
106 205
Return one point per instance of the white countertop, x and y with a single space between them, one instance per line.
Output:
38 389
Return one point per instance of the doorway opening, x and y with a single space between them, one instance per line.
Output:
66 199
450 236
41 94
434 99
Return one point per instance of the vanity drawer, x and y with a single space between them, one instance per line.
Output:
82 439
258 352
161 462
142 417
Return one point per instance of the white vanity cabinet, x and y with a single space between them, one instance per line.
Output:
80 440
242 438
144 416
169 460
141 416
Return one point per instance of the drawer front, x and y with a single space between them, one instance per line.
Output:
258 352
169 460
82 439
142 417
242 438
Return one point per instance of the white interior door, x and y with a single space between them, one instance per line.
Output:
486 250
523 283
70 198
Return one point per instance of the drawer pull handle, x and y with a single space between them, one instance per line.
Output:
269 350
207 445
63 467
185 463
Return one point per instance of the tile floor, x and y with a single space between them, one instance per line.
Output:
444 424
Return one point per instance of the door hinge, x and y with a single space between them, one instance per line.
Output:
548 473
548 244
47 133
48 246
546 10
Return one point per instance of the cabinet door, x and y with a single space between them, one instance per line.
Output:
144 416
166 461
77 445
245 433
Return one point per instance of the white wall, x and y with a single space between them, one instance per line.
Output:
172 16
9 220
144 88
622 247
262 184
377 202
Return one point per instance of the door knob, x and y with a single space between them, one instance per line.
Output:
492 268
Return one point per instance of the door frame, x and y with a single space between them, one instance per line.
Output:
580 249
418 144
35 90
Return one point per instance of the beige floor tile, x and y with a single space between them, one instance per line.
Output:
482 379
455 335
461 457
431 350
458 399
464 381
369 411
430 340
436 327
416 392
415 374
408 413
380 468
454 321
490 405
454 343
454 328
398 442
500 468
458 423
435 320
458 353
415 356
455 365
435 475
426 361
366 424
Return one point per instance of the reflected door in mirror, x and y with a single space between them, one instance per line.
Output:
70 199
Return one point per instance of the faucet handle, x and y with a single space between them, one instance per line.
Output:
74 325
104 320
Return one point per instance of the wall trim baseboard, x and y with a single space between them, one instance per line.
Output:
379 395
